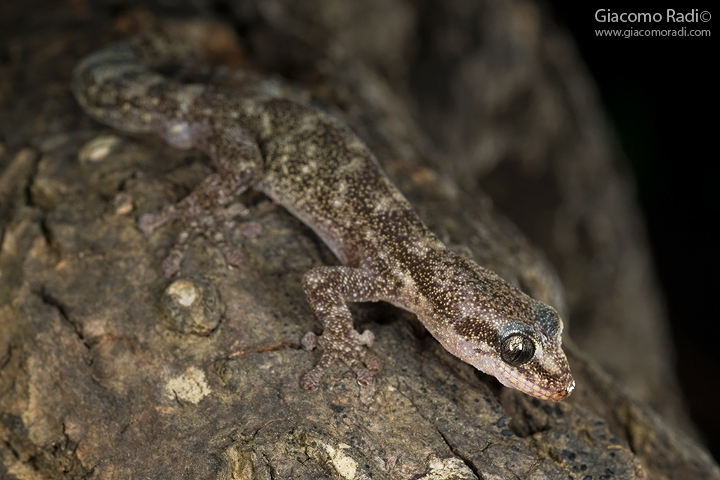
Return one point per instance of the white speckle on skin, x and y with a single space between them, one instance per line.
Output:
382 206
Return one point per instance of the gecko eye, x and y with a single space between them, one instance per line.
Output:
517 349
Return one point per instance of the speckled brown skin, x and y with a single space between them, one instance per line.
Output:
324 175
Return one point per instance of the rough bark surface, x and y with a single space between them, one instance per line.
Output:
108 370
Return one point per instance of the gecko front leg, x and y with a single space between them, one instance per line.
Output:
328 290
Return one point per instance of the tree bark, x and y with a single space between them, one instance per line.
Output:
106 372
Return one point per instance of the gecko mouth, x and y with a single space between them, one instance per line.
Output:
554 390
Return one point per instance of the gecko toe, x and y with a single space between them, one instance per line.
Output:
373 363
171 265
233 257
147 224
309 341
365 377
367 338
311 380
365 373
150 222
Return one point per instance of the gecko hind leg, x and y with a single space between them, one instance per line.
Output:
210 210
328 289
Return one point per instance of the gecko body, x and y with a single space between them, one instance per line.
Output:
315 167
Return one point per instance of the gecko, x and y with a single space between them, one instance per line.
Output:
320 171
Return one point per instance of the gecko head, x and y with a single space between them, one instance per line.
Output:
499 330
528 356
523 352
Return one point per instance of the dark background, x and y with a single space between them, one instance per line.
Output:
660 96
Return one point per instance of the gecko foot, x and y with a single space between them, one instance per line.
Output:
349 349
216 226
